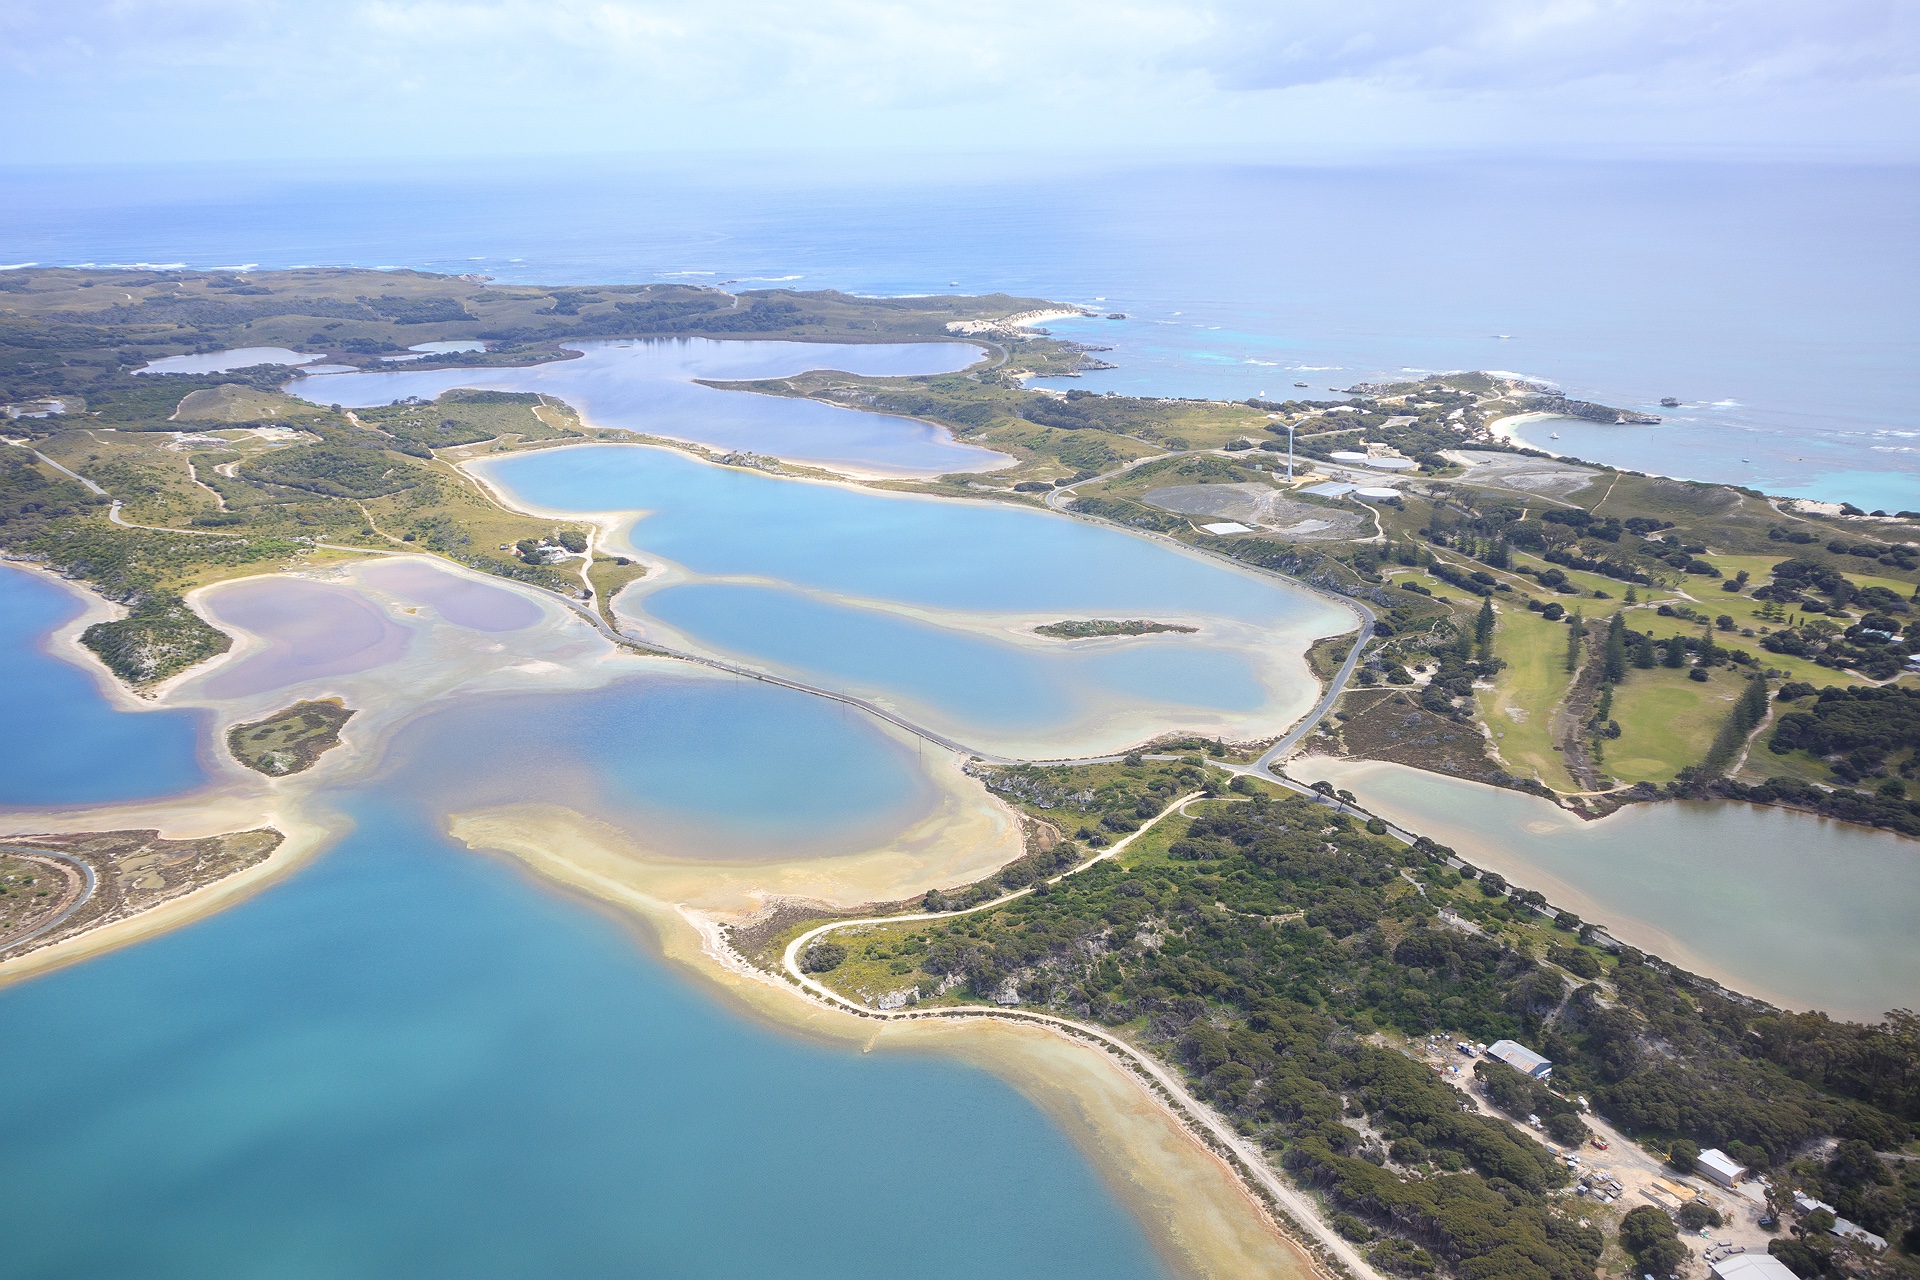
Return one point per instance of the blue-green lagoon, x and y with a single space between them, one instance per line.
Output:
928 605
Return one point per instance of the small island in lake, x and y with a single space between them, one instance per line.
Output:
289 740
1083 630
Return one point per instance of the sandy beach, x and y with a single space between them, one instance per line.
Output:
1504 429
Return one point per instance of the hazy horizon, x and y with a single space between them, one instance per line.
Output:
224 81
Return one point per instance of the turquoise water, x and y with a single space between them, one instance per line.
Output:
647 385
64 743
694 766
1804 911
409 1062
962 677
947 553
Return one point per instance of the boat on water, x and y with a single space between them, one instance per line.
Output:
1299 384
1669 403
1554 436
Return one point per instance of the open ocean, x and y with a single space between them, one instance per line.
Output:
1776 301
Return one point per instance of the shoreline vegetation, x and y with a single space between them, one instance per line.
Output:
291 740
1083 630
1489 569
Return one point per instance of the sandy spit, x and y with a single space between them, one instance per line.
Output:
306 834
1194 1209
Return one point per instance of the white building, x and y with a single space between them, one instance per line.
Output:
1721 1167
1750 1266
1520 1058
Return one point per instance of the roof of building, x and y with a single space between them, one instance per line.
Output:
1751 1266
1721 1163
1518 1056
1853 1231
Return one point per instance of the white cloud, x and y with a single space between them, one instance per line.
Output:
229 76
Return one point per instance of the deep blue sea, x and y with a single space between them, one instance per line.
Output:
1776 301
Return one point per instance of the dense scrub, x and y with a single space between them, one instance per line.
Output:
1263 945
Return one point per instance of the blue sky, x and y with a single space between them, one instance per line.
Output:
1255 79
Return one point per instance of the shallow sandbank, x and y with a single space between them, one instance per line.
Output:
1200 1218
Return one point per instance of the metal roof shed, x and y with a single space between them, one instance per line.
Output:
1520 1058
1721 1167
1749 1266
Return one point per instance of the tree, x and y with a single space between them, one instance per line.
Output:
1576 637
1748 710
1483 630
1565 1128
823 957
1695 1215
1643 655
1676 654
1616 668
1709 651
1683 1155
1633 596
1649 1235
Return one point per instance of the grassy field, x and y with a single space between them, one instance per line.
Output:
1520 708
1667 722
1587 582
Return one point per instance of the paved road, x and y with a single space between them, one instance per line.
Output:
86 892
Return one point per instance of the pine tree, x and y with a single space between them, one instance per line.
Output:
1633 597
1748 711
1576 635
1483 631
1616 669
1643 656
1676 655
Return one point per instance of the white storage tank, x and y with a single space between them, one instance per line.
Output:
1376 493
1349 457
1391 464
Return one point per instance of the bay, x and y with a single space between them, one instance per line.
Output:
407 1061
64 743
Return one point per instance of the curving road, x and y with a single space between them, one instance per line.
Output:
90 883
1244 1157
